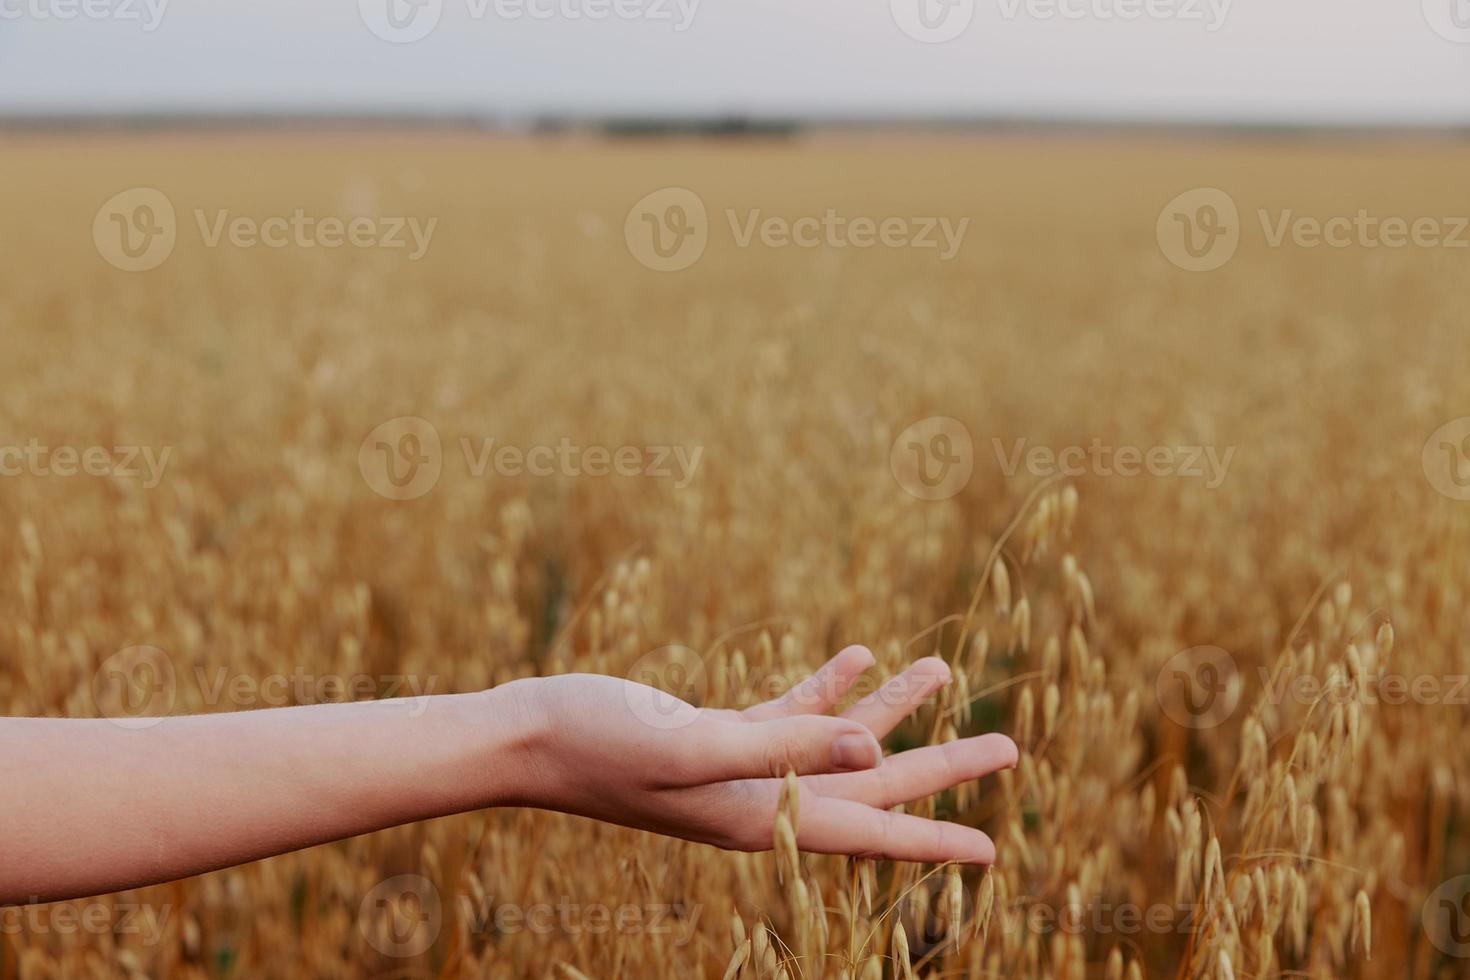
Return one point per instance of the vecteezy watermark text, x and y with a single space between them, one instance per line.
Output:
567 458
934 458
669 229
147 13
1201 687
1372 689
137 229
406 21
222 686
303 230
938 21
572 918
93 917
403 458
1211 13
834 230
1099 459
1201 230
139 687
403 916
122 462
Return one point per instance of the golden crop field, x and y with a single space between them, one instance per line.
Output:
1197 540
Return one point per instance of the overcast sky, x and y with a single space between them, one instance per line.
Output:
1291 60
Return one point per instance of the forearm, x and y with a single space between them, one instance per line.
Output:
91 807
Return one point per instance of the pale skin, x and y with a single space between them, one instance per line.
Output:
91 806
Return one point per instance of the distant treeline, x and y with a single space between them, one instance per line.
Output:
657 127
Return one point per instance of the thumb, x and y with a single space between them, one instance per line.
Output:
803 744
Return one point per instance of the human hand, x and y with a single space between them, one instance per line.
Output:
714 775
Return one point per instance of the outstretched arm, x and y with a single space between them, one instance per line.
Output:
91 806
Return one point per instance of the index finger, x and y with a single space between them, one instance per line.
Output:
900 696
820 692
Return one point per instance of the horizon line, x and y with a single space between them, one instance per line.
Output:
634 123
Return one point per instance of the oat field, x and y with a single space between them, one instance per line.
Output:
1198 540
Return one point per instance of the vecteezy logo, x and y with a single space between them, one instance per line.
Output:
1446 917
402 916
1199 230
667 684
933 458
668 229
1199 687
932 21
401 21
402 458
1450 19
135 687
135 230
1446 459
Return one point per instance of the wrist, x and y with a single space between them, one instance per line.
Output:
513 732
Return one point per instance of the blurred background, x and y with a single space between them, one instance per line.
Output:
513 61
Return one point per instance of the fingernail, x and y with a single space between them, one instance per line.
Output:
853 752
